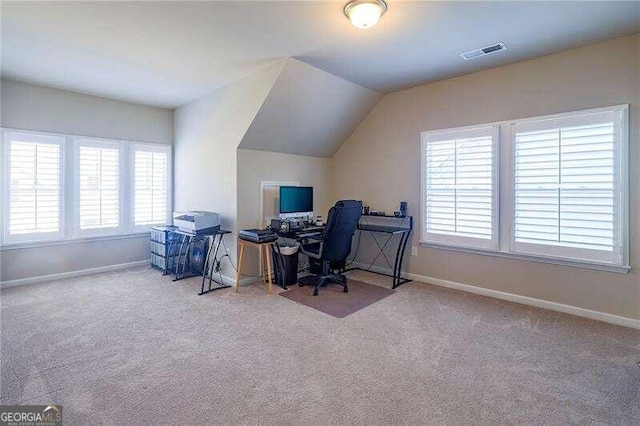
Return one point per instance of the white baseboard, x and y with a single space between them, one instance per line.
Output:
91 271
71 274
243 281
525 300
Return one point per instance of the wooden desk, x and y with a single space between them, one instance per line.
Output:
267 254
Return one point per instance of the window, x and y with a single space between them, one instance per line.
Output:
98 167
151 185
459 187
64 187
567 187
564 195
33 191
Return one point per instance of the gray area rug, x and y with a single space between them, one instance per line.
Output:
133 347
333 301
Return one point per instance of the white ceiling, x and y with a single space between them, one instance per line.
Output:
167 54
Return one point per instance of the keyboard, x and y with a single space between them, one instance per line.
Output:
314 229
308 234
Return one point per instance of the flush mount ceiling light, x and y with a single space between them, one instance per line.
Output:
365 13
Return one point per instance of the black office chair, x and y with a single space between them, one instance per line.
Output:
335 244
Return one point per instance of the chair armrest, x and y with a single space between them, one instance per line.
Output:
310 254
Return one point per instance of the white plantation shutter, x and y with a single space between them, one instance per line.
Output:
567 187
151 165
98 168
459 187
34 187
103 180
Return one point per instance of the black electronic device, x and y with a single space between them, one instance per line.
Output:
258 235
278 225
296 199
403 208
296 224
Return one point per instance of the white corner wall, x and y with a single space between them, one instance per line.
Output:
30 107
207 134
380 163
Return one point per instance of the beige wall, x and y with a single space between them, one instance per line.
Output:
380 162
30 107
255 167
207 134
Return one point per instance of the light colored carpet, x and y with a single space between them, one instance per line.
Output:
132 347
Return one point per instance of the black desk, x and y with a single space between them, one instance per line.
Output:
211 263
185 241
298 234
392 226
402 226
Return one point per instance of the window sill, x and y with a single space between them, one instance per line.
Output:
34 244
551 260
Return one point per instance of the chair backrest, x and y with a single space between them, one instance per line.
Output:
341 225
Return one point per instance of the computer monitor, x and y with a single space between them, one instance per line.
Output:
296 199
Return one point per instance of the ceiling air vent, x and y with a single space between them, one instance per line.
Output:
476 53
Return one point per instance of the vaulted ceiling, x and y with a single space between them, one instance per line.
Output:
169 53
308 112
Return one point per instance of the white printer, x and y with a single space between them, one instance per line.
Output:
196 221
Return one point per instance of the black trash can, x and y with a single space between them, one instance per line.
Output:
285 265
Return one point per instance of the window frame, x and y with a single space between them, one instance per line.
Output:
506 191
147 147
453 240
33 237
69 199
620 191
78 142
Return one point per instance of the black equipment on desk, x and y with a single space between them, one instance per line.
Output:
403 208
297 224
278 225
288 225
258 235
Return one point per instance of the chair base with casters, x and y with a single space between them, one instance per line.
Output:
323 279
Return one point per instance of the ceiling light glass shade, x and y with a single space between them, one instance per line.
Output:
365 13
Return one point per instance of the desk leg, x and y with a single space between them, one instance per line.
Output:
215 260
403 243
205 267
212 256
396 269
267 249
186 255
176 271
168 257
239 267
